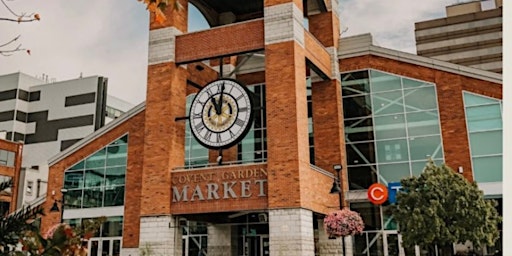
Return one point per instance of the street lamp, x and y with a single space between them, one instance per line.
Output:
55 207
337 187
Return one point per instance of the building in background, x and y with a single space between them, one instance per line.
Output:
470 35
318 101
48 117
10 167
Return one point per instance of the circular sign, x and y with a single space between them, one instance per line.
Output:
377 193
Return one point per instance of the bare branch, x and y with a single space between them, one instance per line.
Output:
23 17
9 52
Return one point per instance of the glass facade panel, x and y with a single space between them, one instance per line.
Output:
357 106
362 177
93 197
393 172
483 118
361 153
74 179
387 127
96 160
94 178
355 83
359 129
471 99
419 99
113 226
486 143
116 155
423 148
387 103
484 122
488 169
390 128
381 82
422 123
102 183
392 151
410 83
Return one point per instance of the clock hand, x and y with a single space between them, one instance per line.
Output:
215 105
219 110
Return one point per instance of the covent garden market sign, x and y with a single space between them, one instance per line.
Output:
219 185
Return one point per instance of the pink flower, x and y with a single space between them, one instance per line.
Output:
343 223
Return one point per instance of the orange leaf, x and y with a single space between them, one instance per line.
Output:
159 16
36 16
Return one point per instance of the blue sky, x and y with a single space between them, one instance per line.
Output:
109 38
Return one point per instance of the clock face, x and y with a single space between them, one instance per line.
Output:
221 114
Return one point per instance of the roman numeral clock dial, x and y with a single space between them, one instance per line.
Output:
221 114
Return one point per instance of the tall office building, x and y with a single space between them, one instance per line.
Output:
470 35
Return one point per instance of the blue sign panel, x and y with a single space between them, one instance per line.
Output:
393 188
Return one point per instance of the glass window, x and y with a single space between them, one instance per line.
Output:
355 83
419 99
390 127
392 151
113 226
195 154
359 129
388 103
387 127
422 123
384 82
393 172
96 160
74 179
483 118
488 169
116 155
93 197
486 143
362 177
102 185
360 153
423 148
410 83
484 122
358 106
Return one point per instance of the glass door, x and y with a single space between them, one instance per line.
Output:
104 246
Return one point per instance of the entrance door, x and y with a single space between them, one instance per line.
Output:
257 245
104 246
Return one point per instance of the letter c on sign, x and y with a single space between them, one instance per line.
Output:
377 193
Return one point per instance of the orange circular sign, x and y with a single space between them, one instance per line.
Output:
377 193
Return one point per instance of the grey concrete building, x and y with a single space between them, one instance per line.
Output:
470 35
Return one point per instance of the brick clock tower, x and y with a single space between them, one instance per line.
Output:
298 40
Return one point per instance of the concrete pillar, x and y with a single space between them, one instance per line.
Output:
291 232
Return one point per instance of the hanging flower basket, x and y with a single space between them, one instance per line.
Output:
343 223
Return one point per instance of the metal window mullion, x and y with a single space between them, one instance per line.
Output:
406 128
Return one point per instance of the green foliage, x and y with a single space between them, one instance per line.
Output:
12 227
61 239
441 207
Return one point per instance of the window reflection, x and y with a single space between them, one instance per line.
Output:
99 179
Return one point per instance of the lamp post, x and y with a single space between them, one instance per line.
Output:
337 187
55 207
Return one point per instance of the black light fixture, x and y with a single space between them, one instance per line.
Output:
55 207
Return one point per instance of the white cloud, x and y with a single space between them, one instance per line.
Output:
391 22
